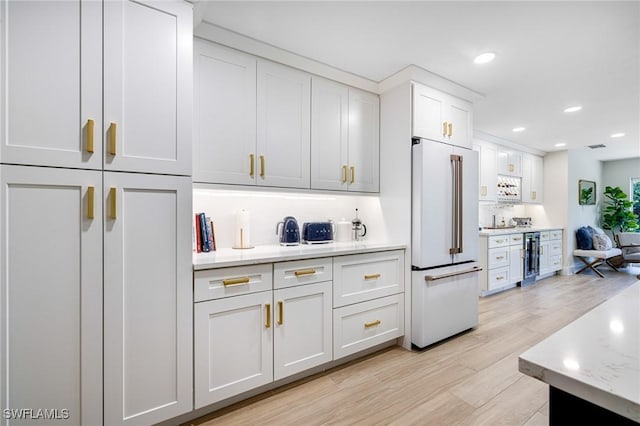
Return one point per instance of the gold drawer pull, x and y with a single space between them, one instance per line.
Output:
90 125
372 276
262 166
344 174
372 324
268 309
251 165
304 272
517 239
499 257
353 174
280 313
113 208
236 281
112 138
91 194
499 278
499 241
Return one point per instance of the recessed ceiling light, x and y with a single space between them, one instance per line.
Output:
560 144
518 129
484 58
617 135
573 108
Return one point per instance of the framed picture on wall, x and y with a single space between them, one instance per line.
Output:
586 192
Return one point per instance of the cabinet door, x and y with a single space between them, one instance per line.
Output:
51 291
148 86
488 172
225 115
364 141
429 108
544 257
147 298
509 162
459 114
51 71
329 143
516 264
527 175
284 126
537 180
233 346
303 333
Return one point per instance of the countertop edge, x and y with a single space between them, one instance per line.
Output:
492 232
276 253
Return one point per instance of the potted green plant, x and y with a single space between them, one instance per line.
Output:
618 214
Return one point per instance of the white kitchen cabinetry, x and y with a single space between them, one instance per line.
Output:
51 291
51 94
147 298
345 142
516 258
488 170
147 86
532 179
509 162
283 126
441 117
499 260
550 252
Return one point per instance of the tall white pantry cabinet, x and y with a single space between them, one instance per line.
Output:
95 248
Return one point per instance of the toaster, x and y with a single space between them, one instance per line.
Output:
317 232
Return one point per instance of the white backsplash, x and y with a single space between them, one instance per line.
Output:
267 207
535 212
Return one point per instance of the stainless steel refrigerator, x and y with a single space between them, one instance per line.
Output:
444 242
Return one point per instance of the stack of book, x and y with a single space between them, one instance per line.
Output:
205 240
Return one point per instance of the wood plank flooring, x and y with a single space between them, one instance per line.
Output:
471 379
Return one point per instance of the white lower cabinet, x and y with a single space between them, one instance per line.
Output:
501 258
550 251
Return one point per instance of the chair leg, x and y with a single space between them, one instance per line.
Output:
611 264
591 265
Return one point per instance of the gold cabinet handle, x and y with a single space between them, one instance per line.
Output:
236 281
499 241
91 195
262 166
280 312
90 127
533 195
371 276
499 278
511 167
483 191
517 239
112 203
444 128
344 174
112 138
541 249
304 272
450 129
267 307
251 165
353 174
372 324
499 257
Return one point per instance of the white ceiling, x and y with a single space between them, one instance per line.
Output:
550 55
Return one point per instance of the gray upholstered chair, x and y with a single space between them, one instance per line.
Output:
629 244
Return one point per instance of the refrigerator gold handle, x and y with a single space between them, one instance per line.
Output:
460 203
454 202
451 274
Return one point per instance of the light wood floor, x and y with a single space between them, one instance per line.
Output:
471 379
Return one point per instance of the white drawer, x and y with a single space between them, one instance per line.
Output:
498 278
308 271
360 326
498 241
555 235
544 236
555 263
368 276
516 239
498 257
224 282
555 247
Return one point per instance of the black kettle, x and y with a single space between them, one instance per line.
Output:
288 231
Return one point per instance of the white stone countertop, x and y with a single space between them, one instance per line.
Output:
277 253
517 230
596 357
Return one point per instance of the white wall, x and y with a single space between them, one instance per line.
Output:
619 173
555 199
267 207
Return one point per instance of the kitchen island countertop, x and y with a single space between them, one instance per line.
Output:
595 358
276 253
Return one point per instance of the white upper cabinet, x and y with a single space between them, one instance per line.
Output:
532 179
345 142
51 92
509 162
283 127
488 171
147 86
225 115
441 117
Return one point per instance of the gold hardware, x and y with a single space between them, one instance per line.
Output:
90 125
516 238
499 241
112 205
112 138
533 195
304 272
236 281
268 309
344 174
541 249
262 166
372 324
353 174
444 128
499 257
483 190
451 274
251 165
91 191
450 127
280 313
499 278
511 167
372 276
